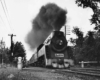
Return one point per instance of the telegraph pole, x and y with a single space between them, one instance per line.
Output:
12 43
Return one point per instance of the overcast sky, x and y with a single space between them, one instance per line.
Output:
20 14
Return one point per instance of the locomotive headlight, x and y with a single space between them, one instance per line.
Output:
59 42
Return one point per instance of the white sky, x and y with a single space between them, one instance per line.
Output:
21 12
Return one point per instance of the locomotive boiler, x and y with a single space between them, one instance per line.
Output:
54 52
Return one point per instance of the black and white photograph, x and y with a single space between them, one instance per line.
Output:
49 39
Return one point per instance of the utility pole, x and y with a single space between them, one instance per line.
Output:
12 43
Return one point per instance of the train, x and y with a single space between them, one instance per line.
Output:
53 53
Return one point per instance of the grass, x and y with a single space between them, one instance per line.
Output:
14 74
11 76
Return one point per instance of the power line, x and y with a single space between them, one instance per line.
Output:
3 22
6 14
5 6
1 19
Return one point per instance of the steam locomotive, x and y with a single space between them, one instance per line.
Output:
53 53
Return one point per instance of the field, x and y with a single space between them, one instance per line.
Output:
32 74
37 73
14 74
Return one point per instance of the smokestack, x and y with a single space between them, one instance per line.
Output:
51 17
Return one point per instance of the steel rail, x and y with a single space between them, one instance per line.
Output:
80 72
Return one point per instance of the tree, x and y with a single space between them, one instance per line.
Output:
90 50
19 50
78 44
73 41
79 33
91 40
85 48
93 4
5 55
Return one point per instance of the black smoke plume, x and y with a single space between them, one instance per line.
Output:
51 17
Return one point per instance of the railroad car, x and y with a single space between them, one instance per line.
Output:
54 52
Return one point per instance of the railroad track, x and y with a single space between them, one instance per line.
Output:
88 71
82 71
